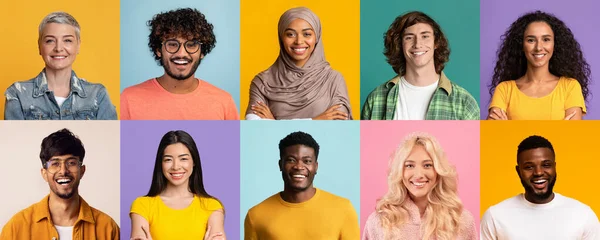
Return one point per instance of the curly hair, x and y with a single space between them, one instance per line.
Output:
444 210
566 61
299 138
393 42
185 22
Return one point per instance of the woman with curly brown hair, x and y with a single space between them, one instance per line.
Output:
540 73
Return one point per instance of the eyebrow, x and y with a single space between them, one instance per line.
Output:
180 155
423 32
305 29
57 159
45 36
532 36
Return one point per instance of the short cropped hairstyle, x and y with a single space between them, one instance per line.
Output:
61 142
184 22
299 138
62 18
533 142
393 42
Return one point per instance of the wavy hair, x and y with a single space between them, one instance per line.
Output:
567 59
443 213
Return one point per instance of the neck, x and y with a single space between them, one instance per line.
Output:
64 212
421 77
175 86
421 204
293 196
181 190
532 198
59 81
538 74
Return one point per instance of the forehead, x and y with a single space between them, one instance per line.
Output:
535 155
299 24
418 154
63 157
299 150
58 29
418 28
538 29
176 149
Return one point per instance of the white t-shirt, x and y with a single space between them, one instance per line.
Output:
64 233
60 100
413 101
518 219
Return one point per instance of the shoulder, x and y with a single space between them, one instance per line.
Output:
466 219
144 201
210 204
574 204
335 200
102 219
21 86
212 89
140 88
568 83
506 84
510 203
385 87
92 87
461 92
23 217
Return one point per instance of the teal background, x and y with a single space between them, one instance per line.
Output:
339 159
221 67
459 20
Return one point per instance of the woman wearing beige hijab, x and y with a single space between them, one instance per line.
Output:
300 84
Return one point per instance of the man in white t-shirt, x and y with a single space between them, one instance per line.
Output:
540 213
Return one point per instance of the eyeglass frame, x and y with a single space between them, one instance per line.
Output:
179 44
62 162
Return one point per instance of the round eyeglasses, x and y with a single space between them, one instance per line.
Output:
54 166
172 46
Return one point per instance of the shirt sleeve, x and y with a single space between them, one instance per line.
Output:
211 204
367 108
255 96
12 106
249 231
592 228
106 110
350 228
231 113
8 232
125 106
488 228
574 96
471 108
500 97
370 227
141 206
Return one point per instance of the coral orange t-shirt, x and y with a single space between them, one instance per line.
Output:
150 101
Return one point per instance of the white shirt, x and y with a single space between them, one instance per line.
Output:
413 101
60 100
518 219
64 233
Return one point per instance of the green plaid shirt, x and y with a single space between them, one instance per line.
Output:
449 102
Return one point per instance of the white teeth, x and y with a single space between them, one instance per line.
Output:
180 61
176 174
63 180
419 53
540 181
419 184
539 55
299 176
59 57
299 49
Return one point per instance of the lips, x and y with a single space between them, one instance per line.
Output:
177 175
419 53
299 50
63 181
539 56
58 57
540 183
298 177
419 184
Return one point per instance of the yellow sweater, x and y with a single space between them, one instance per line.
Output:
324 216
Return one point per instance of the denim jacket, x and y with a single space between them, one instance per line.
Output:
32 100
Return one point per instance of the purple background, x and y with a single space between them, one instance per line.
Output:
219 146
581 16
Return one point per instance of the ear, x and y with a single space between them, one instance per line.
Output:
316 167
43 172
280 165
517 169
82 171
158 53
201 56
78 45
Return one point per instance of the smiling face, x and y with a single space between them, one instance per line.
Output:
537 171
419 176
180 65
298 167
58 45
418 45
538 44
299 40
63 179
177 164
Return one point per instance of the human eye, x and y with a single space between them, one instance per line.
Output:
407 38
49 40
307 34
72 163
409 165
428 165
290 34
54 164
167 159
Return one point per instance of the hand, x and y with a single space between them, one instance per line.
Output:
497 114
570 115
262 110
332 113
213 236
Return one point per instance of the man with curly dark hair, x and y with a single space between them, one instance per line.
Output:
417 50
540 73
179 40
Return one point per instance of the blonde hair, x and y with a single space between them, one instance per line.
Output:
442 215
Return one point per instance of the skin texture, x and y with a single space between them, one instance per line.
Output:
419 170
58 46
537 164
298 167
299 40
64 199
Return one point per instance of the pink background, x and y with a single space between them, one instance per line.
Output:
379 139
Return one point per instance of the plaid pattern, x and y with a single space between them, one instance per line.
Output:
449 102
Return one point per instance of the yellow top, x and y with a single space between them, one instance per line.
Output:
324 217
518 106
168 223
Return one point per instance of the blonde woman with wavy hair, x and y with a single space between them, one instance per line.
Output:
422 200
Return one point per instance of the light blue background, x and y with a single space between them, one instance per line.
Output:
221 67
339 156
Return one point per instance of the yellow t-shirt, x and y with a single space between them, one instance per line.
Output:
518 106
324 217
168 223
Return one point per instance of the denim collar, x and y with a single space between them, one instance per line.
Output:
41 85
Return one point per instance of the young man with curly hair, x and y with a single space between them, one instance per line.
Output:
417 50
179 40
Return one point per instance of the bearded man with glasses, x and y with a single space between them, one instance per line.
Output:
62 214
179 40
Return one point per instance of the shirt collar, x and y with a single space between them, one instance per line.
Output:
41 210
444 83
41 84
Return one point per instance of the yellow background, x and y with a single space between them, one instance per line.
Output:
259 46
98 59
577 161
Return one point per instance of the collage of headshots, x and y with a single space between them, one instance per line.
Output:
179 99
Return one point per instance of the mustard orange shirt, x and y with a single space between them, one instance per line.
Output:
35 223
150 101
518 106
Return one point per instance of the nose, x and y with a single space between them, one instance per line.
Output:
418 172
538 46
181 50
175 164
58 46
299 165
538 171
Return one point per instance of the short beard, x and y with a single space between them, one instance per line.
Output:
180 77
539 197
298 189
